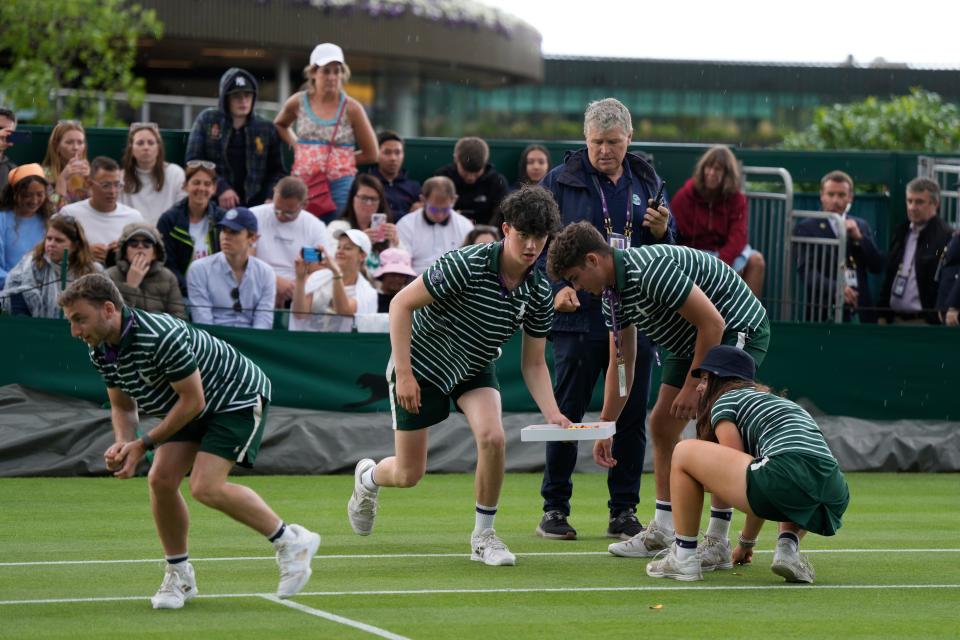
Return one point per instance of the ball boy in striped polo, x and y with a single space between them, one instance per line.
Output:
764 455
686 301
212 402
446 330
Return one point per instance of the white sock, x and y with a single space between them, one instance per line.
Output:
366 479
663 515
686 547
485 517
719 526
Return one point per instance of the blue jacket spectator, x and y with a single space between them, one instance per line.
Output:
244 147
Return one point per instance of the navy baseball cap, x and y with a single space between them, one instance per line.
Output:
727 362
238 219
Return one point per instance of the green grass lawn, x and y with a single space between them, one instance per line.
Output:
79 559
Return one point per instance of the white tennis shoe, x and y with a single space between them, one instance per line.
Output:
179 585
487 548
362 506
294 557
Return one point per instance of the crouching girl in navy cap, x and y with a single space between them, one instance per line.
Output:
761 453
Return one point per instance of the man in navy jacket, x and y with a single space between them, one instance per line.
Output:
601 178
836 196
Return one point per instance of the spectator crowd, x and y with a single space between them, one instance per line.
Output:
230 237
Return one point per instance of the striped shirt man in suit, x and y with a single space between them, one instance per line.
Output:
446 330
212 402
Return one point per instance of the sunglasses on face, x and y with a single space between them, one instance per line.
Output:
235 294
205 164
106 186
137 243
436 211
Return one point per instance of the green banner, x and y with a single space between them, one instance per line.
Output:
867 371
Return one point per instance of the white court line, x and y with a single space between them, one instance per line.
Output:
326 615
391 556
421 592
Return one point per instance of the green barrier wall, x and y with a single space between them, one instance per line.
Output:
674 162
867 371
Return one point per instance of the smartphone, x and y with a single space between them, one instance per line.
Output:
377 219
19 137
658 199
311 254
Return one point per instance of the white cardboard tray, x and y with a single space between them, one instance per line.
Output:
577 431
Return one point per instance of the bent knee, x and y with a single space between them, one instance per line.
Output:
492 440
163 482
406 478
756 260
206 493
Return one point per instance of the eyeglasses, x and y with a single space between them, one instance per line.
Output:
137 126
106 186
205 164
436 211
146 243
368 199
235 294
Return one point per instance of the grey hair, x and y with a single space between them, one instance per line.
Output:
925 184
605 115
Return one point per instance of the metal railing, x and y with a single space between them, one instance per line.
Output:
819 277
170 112
769 228
946 173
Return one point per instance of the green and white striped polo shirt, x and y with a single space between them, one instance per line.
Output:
769 424
158 349
653 282
473 314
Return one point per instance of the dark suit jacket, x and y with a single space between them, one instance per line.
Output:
931 244
862 255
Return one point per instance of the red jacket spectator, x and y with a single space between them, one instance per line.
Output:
719 226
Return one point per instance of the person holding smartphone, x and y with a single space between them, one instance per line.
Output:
329 292
369 211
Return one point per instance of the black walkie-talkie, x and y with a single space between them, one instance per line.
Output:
658 200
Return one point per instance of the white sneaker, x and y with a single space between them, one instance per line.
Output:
179 585
487 548
362 506
790 565
715 553
294 558
666 564
645 544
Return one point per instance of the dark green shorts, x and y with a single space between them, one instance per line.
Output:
233 435
677 368
807 490
434 403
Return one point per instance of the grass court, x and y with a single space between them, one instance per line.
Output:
79 558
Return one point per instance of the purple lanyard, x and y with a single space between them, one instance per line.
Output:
607 221
609 294
612 299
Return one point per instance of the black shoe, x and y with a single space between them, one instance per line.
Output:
624 525
554 525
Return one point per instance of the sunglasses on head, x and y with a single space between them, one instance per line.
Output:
205 164
138 126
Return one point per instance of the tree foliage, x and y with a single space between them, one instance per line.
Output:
921 121
86 45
